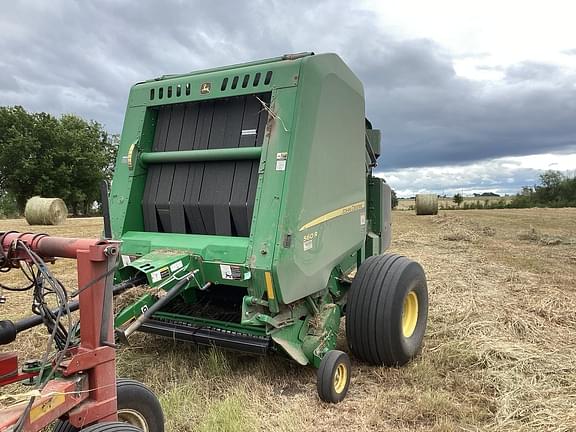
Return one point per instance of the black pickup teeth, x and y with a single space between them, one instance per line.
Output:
229 311
210 336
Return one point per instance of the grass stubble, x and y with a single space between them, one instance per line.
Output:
499 353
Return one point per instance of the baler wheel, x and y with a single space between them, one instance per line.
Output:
387 310
333 376
137 406
112 427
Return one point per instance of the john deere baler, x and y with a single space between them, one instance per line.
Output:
246 194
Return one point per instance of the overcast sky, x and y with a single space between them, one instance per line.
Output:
470 95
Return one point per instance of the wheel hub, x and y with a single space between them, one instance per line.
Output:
410 314
134 418
340 378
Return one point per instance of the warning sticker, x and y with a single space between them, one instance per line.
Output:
308 244
126 260
362 219
176 266
281 161
231 272
158 275
46 406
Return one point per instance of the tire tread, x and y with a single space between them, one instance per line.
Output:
375 303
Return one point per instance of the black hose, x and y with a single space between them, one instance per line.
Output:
8 332
9 329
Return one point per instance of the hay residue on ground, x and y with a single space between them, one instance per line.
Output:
499 353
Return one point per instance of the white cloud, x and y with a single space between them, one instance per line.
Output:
448 82
503 175
487 33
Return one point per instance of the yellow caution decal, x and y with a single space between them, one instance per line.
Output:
269 287
46 406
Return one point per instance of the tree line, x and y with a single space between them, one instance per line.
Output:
65 157
555 189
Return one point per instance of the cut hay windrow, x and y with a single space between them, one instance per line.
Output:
500 354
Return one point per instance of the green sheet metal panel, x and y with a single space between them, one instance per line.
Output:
323 208
210 248
209 84
269 196
128 185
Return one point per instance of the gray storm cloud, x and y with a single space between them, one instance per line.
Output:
82 57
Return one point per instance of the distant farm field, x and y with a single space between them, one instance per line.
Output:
448 203
499 354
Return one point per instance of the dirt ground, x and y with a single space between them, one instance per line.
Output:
499 354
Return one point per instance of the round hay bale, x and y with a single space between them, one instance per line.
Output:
426 204
45 211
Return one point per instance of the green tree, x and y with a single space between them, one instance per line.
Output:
8 208
458 199
394 199
555 190
549 190
43 155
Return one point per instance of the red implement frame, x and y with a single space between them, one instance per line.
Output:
86 393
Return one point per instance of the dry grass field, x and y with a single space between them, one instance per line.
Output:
499 354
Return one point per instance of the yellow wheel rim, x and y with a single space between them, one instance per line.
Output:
134 418
410 314
340 378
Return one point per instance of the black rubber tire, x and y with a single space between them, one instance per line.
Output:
112 427
131 395
325 376
64 426
375 307
136 396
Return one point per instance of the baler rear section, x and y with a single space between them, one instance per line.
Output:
253 182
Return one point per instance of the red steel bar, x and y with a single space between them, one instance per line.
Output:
93 263
47 246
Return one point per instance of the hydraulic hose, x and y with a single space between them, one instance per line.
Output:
9 329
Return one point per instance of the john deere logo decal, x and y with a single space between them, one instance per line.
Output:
205 88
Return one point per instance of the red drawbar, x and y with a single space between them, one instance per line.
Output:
8 365
9 369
